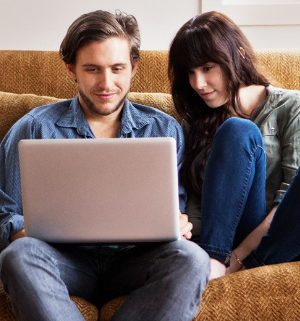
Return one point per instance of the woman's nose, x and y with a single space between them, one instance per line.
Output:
200 80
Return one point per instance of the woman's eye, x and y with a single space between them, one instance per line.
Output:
207 68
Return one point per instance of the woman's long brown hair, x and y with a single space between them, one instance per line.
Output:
209 37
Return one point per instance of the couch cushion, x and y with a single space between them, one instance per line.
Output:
161 101
14 106
89 311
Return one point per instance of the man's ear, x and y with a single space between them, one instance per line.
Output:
134 68
71 71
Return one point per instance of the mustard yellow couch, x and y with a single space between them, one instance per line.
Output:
32 78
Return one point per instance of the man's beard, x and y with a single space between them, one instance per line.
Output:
94 110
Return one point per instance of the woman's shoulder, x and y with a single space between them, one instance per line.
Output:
285 107
281 100
281 95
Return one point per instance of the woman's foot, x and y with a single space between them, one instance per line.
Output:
217 269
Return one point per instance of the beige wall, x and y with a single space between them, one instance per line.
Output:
41 24
268 24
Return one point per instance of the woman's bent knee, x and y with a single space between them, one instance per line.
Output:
238 128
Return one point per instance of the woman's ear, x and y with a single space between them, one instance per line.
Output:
242 52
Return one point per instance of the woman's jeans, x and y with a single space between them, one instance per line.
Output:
233 202
233 195
163 281
282 243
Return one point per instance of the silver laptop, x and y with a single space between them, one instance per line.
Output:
100 190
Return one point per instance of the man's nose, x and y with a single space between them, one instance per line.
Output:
105 80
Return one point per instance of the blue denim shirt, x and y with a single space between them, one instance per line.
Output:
65 119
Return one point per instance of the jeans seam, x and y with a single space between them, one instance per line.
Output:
245 184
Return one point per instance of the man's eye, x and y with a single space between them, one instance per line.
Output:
117 69
91 69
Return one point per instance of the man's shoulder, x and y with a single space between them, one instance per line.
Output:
49 110
38 117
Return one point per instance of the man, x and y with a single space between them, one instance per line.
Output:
163 282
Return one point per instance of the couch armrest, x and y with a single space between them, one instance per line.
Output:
264 293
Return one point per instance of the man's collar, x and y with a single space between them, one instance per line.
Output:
131 118
73 117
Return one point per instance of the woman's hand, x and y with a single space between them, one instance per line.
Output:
185 226
250 243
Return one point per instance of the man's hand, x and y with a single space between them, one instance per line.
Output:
17 235
185 226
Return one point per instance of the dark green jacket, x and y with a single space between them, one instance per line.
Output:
279 122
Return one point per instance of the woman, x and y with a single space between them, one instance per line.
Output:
242 144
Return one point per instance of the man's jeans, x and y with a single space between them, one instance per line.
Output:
233 196
163 281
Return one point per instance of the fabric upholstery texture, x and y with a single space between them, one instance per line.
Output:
43 73
33 78
281 67
89 311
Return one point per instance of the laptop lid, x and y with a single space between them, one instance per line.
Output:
100 190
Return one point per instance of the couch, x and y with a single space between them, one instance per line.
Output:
32 78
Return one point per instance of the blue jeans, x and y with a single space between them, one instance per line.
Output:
163 281
282 242
233 195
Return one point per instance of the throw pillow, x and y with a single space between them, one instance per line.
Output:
14 106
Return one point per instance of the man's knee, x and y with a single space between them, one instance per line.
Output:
19 252
192 254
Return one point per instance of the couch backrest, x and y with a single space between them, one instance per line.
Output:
43 72
27 76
